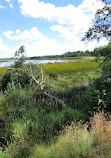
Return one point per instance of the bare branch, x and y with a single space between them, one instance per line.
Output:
41 85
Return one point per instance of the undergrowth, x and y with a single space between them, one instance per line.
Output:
35 126
74 141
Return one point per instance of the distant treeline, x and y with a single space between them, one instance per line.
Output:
66 55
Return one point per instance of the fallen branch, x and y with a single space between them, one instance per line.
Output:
41 85
55 99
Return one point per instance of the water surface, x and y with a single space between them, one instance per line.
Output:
9 63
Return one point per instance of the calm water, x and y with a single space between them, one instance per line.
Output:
9 63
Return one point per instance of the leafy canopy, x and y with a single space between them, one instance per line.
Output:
102 23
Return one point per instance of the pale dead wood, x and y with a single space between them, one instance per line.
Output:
41 85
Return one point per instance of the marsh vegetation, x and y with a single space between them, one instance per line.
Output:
34 124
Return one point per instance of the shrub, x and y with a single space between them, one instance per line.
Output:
6 78
53 75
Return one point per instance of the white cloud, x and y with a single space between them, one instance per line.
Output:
70 21
79 22
37 44
62 15
10 5
8 34
1 41
3 48
18 31
36 9
52 47
26 35
7 0
2 7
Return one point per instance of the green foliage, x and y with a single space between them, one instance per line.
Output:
30 118
26 114
21 54
53 75
67 55
2 155
2 71
103 83
6 78
78 54
73 115
104 51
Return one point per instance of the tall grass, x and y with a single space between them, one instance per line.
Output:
70 67
101 125
63 76
77 141
2 70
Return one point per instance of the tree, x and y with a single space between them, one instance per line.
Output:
104 51
102 29
21 54
102 23
28 72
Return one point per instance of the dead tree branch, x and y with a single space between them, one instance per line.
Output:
40 84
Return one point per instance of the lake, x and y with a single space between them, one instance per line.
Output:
9 63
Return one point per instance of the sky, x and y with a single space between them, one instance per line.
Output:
46 27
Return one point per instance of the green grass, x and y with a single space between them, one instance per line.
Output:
2 155
63 76
75 141
70 67
2 70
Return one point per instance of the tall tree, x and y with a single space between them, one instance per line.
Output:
102 23
102 28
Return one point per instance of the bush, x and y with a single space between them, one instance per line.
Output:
5 80
53 75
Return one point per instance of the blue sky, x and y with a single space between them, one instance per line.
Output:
46 27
